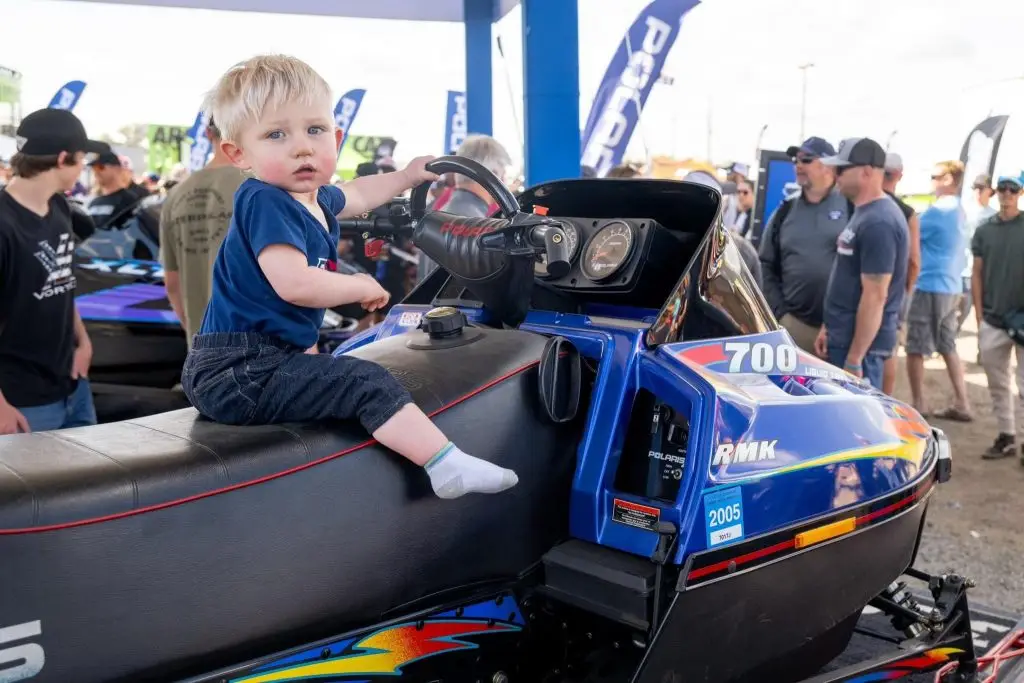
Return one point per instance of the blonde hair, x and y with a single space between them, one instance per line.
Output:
954 168
248 88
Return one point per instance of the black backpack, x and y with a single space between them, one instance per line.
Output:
1014 323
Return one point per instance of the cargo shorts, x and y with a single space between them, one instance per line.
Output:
933 323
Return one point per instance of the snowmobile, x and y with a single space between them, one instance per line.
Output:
698 499
138 343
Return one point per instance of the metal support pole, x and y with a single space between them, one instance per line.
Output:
803 98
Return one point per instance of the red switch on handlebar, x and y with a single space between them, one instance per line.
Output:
373 247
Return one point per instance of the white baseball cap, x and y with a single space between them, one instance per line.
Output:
893 162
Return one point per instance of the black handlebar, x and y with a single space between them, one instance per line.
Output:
389 221
522 235
376 226
502 196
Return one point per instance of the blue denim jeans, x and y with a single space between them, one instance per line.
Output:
244 378
872 366
77 410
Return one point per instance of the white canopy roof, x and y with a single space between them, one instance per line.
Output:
411 10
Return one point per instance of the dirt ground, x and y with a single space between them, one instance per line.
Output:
974 520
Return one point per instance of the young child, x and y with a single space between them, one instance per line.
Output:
254 360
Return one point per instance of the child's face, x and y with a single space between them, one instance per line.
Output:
294 147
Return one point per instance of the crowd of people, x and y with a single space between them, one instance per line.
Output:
851 271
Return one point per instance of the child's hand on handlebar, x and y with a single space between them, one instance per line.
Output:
417 173
372 296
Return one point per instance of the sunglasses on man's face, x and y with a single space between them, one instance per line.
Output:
1008 189
804 160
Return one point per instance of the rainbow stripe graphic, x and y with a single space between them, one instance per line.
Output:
386 652
929 661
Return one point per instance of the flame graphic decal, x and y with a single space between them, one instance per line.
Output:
909 424
386 652
927 661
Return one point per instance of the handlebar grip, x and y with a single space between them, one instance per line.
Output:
355 225
473 170
556 245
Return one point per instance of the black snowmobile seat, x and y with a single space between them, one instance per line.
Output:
225 543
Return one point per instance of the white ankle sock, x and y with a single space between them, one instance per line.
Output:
454 473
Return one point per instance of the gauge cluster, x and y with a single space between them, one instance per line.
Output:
607 251
604 252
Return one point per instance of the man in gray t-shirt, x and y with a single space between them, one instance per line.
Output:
799 244
868 281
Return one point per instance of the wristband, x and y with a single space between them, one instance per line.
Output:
852 366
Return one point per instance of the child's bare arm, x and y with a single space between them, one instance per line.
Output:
300 284
365 194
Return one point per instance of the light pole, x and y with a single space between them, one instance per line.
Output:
803 98
760 138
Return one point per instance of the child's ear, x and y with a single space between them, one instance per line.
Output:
234 153
339 135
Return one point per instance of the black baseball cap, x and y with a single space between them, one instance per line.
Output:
106 158
812 147
48 132
857 152
367 168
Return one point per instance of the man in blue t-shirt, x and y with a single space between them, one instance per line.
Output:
866 287
933 321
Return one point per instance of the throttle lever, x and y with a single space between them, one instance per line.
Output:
556 244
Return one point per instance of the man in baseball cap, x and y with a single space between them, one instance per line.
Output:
869 275
798 244
48 132
117 191
977 210
998 271
892 178
45 352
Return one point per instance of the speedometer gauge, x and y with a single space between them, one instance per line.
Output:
540 269
608 251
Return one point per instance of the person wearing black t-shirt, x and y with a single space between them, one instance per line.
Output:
893 175
117 191
45 351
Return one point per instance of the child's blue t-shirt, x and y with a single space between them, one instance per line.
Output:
242 299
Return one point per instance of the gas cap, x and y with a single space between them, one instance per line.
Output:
444 322
445 327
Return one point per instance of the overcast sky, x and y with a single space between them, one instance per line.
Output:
926 68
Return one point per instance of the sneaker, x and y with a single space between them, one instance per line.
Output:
1004 446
